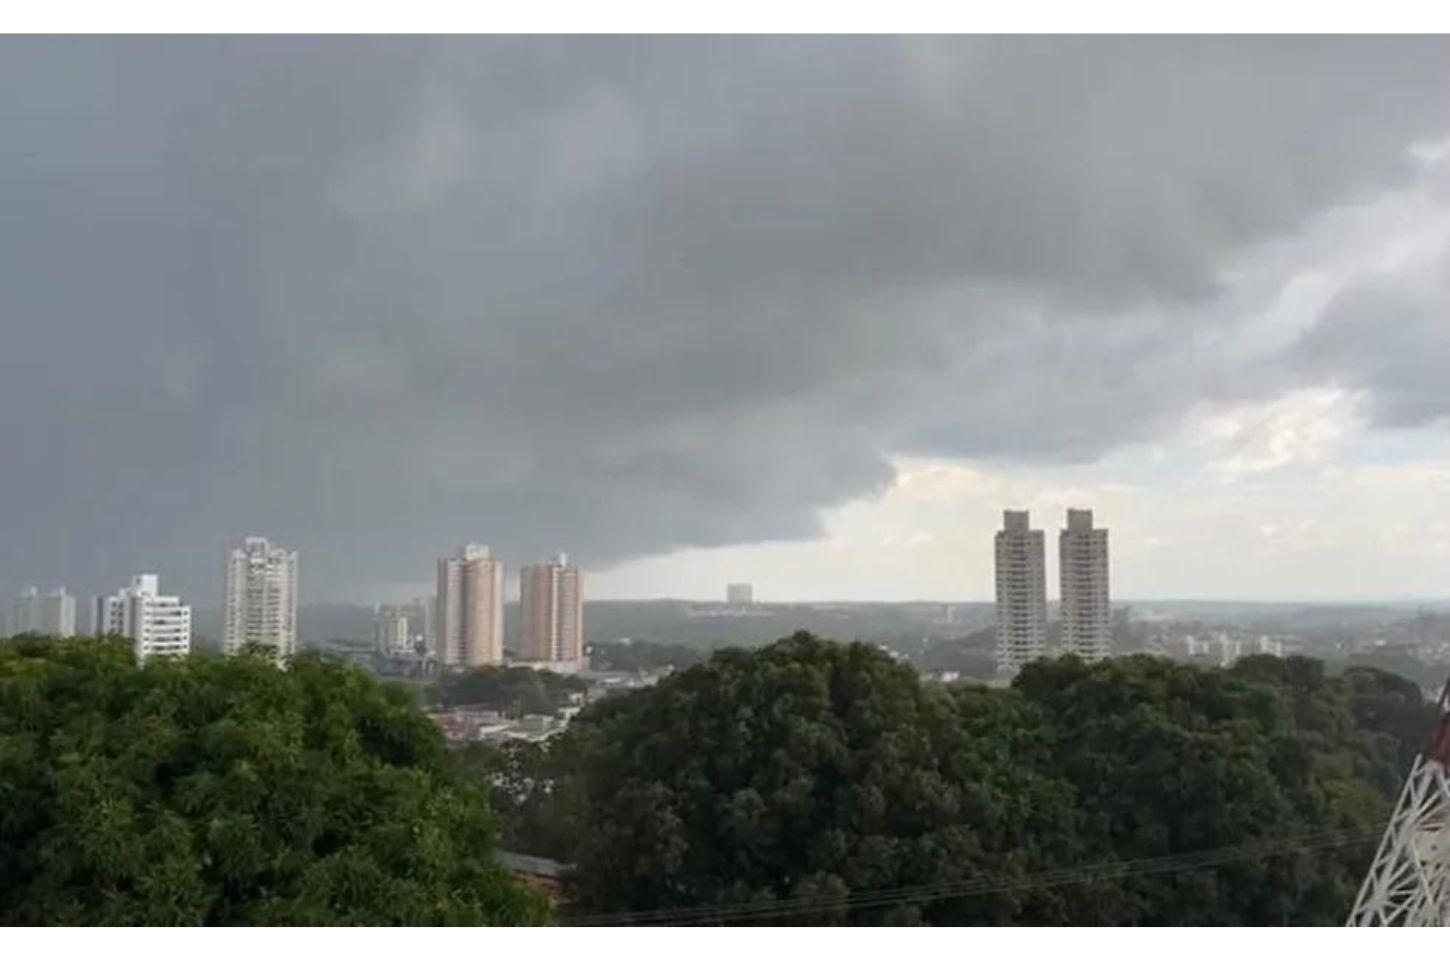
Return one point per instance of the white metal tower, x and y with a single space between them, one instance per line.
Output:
1408 884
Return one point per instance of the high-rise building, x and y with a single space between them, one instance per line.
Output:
1021 593
469 613
25 612
260 605
739 594
1087 624
551 601
156 625
58 614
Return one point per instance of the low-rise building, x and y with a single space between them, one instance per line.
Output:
156 625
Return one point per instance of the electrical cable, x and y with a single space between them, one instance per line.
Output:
714 914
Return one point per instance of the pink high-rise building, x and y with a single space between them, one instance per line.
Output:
551 601
469 621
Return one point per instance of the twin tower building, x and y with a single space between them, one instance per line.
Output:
469 611
1022 590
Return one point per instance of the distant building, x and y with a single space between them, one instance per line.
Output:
392 631
1268 646
156 625
740 594
551 600
58 614
420 620
53 615
402 629
1087 617
469 613
25 612
260 603
1021 593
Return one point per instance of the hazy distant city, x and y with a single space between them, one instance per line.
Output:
468 620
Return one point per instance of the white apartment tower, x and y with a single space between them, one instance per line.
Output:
551 601
155 625
1087 624
469 617
260 606
1021 593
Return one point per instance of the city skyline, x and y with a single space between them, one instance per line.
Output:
708 585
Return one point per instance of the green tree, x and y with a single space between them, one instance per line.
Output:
810 768
805 769
214 791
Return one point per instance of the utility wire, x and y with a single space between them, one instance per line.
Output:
714 914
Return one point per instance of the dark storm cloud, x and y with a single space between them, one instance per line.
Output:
373 297
1391 341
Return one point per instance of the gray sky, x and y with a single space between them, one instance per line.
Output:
807 312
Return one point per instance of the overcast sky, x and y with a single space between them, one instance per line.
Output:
808 313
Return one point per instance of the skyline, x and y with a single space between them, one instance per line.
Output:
807 312
1051 564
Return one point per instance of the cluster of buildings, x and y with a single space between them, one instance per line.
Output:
1225 649
259 608
461 627
464 627
1086 610
53 614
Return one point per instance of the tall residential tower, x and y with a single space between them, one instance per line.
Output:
469 617
1021 593
551 601
1087 623
260 606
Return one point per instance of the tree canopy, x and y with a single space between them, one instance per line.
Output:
212 791
817 770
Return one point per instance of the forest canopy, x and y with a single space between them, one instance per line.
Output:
212 791
803 778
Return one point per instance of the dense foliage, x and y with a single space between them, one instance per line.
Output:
813 769
231 792
513 691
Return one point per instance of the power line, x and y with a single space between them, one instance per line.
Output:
1112 870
